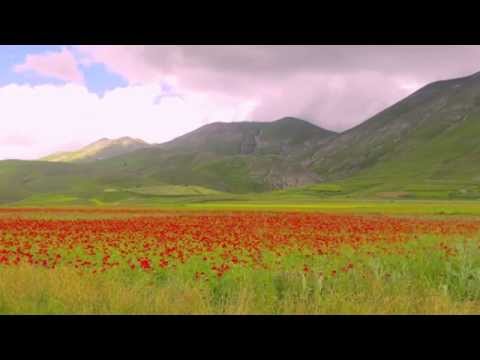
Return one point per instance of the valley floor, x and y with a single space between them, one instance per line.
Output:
348 257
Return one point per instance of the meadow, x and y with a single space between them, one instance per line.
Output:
227 260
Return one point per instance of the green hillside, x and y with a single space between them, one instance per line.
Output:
234 158
428 138
424 147
101 149
228 157
283 136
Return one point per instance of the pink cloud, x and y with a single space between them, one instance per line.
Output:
336 87
59 65
126 61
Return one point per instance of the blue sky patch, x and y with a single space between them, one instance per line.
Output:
11 55
97 78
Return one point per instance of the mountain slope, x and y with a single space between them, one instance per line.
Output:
430 135
22 179
245 138
231 157
427 144
101 149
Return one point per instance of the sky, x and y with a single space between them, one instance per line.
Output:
57 98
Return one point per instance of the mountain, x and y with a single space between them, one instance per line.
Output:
231 157
225 157
99 150
426 145
282 137
429 137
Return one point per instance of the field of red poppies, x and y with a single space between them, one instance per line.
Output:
234 262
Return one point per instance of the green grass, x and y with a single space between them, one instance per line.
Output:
400 207
173 190
424 282
185 198
415 277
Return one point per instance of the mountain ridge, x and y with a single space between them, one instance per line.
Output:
238 138
429 137
101 149
416 138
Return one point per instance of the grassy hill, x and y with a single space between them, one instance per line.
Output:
215 159
281 137
427 139
101 149
229 157
424 147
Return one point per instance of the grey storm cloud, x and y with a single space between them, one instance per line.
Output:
336 87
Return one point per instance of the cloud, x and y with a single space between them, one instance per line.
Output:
126 61
175 89
60 65
38 120
16 140
334 86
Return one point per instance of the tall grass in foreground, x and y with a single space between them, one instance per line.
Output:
418 277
